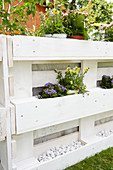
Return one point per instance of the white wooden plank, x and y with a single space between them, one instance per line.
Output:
55 129
90 78
12 114
92 147
2 123
24 146
10 51
11 85
41 48
8 162
104 71
32 113
22 73
14 149
1 49
2 95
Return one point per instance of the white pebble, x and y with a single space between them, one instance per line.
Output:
59 150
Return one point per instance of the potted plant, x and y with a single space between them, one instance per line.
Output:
74 25
51 24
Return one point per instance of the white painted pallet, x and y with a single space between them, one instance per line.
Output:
33 113
41 48
26 114
96 145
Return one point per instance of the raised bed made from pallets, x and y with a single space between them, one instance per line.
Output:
32 113
41 48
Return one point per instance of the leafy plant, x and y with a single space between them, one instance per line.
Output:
51 22
107 82
53 90
109 33
73 79
74 24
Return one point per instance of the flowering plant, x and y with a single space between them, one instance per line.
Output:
73 79
53 90
51 22
107 82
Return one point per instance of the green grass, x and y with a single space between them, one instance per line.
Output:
101 161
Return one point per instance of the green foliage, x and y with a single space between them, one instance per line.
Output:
53 90
97 36
109 33
13 17
73 79
107 82
82 3
74 24
51 22
100 11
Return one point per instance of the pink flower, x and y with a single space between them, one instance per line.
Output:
89 2
63 8
91 10
40 12
86 20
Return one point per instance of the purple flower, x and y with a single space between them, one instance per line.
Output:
53 91
111 81
64 88
47 91
106 76
49 84
50 91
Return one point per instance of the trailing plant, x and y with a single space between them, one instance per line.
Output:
73 79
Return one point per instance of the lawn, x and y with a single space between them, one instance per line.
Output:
101 161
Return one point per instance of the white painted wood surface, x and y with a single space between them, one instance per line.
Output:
1 49
41 48
2 95
2 123
33 113
27 115
104 71
22 74
93 146
10 51
90 78
8 163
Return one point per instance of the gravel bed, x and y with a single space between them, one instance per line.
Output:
59 150
105 133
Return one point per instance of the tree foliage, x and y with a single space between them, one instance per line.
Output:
100 10
13 14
